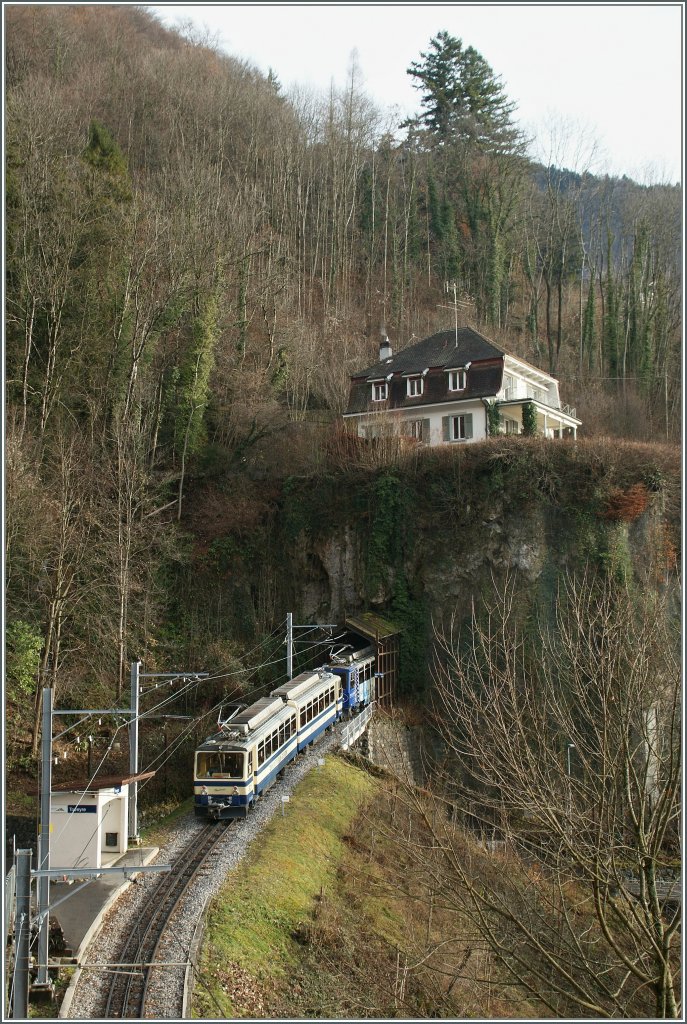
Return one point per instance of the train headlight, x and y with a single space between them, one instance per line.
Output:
236 791
204 790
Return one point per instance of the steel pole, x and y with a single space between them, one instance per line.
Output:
133 752
22 935
289 645
44 838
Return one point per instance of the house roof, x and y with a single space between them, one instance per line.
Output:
435 354
445 349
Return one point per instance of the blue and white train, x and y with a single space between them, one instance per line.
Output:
355 666
240 762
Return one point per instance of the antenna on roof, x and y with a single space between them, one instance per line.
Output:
454 288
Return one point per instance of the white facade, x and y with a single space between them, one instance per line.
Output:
466 421
448 422
88 830
522 382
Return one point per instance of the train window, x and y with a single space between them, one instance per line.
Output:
261 753
219 765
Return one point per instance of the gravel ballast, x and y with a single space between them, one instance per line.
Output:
166 984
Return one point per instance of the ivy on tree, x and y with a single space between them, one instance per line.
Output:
463 99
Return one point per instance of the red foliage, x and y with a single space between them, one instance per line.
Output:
626 505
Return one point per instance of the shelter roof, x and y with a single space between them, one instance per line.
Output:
372 625
99 782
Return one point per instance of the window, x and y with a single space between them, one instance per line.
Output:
112 839
415 386
415 429
460 427
457 380
222 765
380 391
511 426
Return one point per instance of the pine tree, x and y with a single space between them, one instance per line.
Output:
463 99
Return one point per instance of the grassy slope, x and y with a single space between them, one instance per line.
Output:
312 924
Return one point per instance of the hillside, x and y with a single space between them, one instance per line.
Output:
317 922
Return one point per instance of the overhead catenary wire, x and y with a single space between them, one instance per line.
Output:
178 740
191 685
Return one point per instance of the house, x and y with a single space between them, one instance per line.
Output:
440 391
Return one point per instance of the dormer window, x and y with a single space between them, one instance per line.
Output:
380 391
415 386
457 380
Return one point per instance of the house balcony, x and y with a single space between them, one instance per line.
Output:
524 394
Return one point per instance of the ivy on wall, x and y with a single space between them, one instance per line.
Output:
529 419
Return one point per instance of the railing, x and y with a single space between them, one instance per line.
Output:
10 899
356 727
525 394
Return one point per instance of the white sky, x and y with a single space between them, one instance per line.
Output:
610 71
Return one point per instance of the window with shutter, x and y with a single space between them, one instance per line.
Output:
460 427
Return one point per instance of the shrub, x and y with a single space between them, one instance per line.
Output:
529 419
24 644
624 506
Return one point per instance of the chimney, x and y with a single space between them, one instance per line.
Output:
384 346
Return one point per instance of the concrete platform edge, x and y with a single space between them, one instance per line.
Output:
66 1003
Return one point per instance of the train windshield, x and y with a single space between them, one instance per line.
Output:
220 765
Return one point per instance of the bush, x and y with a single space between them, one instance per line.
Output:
529 419
24 644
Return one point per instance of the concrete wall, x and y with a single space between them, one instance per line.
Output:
114 819
74 837
392 744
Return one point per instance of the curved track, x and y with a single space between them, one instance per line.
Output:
128 989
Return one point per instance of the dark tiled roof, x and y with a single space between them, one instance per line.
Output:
437 354
439 350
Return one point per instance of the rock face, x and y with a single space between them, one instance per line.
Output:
425 541
442 570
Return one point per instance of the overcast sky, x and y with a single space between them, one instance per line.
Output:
612 72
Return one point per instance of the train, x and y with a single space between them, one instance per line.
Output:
237 764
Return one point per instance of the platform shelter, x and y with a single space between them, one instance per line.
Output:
89 823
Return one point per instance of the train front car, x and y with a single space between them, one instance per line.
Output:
317 699
355 665
233 767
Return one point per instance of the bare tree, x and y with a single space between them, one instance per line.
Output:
565 750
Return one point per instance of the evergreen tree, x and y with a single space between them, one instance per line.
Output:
463 99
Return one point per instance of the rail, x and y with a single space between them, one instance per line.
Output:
356 727
128 991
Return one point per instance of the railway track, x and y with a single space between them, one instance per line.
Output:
127 996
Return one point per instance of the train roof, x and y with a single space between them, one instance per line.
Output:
250 718
249 725
301 684
351 647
